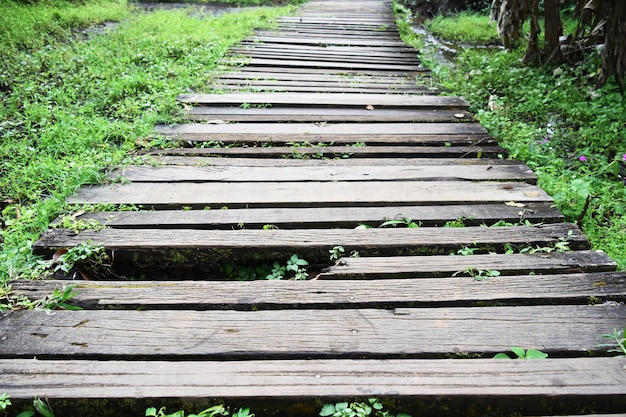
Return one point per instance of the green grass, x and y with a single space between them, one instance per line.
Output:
466 27
567 130
72 108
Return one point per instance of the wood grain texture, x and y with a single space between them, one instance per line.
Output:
358 100
305 174
332 378
438 265
338 294
387 239
324 217
230 114
368 193
359 333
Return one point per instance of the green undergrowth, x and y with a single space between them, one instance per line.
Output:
466 27
570 132
73 107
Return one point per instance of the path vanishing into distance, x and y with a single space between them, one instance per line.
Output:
327 155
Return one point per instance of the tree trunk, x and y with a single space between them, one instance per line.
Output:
533 55
552 54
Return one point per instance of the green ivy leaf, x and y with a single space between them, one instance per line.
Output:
521 353
502 356
535 354
327 410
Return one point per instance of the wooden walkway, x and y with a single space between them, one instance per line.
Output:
328 123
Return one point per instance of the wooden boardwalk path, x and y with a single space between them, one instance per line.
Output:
327 124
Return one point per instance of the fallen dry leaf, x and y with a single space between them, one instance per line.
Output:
514 204
507 187
369 107
460 115
532 194
216 122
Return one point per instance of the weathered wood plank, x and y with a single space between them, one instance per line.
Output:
289 334
208 161
314 244
324 217
320 152
312 129
303 64
367 193
312 114
236 87
357 100
305 174
339 294
442 265
544 379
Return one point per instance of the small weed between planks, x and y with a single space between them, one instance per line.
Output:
618 344
58 300
522 354
371 408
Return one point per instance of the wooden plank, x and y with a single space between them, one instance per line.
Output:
312 114
273 88
289 334
367 193
320 152
324 217
419 71
445 265
312 129
339 294
314 245
319 58
449 140
349 100
313 77
208 161
317 64
305 174
245 47
545 379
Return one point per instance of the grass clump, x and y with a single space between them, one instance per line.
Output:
466 27
72 108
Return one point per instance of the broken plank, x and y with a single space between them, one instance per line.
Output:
312 173
540 380
337 294
289 334
322 99
470 265
367 193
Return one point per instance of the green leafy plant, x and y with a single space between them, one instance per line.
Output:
5 401
522 354
86 256
357 409
478 274
58 300
216 410
404 221
618 344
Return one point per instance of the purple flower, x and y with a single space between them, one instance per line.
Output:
624 157
582 158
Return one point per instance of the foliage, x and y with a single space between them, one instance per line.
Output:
58 300
568 131
71 108
523 354
618 344
216 410
432 8
466 27
601 23
295 266
357 409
